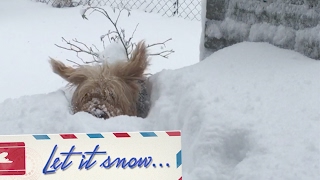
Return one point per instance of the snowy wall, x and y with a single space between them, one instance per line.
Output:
289 24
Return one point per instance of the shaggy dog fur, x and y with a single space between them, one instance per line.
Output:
107 90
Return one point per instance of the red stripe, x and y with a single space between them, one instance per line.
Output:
5 144
68 136
6 173
174 133
120 135
180 178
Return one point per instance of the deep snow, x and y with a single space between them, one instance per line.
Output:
285 24
249 111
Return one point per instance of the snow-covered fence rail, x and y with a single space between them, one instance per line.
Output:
187 9
289 24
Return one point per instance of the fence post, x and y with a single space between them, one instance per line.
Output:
176 5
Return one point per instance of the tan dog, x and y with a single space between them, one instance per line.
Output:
106 90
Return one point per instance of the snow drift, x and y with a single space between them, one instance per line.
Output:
289 24
249 111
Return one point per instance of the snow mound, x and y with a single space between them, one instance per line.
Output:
249 111
113 52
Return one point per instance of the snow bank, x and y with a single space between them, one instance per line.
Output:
249 111
287 24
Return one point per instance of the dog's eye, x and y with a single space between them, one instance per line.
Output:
111 95
84 97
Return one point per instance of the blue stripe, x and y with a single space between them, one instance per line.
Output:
179 159
95 135
148 134
41 137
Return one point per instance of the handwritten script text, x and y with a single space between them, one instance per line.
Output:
87 160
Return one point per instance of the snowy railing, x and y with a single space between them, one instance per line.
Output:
187 9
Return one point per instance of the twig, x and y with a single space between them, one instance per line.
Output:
118 16
129 41
78 49
162 43
163 54
115 35
95 47
105 13
73 62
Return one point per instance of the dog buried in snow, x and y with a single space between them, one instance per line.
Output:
107 90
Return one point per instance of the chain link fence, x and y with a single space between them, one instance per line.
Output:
187 9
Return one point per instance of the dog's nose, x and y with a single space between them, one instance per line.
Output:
102 115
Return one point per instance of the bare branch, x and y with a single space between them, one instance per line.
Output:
95 47
162 43
129 41
163 54
76 48
90 49
73 62
116 35
80 57
114 23
131 47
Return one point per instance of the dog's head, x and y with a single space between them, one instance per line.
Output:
106 90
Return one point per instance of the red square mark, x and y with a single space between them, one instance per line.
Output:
12 158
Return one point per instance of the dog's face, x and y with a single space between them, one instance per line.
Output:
106 96
93 98
106 90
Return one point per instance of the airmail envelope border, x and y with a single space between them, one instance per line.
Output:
112 155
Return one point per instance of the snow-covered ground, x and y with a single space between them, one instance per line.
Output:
247 112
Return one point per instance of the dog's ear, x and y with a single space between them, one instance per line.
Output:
136 65
70 74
